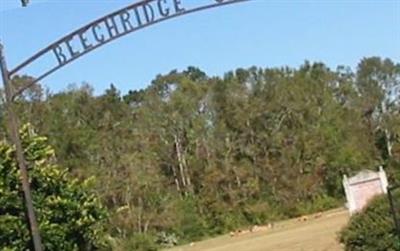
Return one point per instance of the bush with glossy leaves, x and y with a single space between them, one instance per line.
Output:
69 216
372 229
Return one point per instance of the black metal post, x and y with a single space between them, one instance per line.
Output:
15 137
393 209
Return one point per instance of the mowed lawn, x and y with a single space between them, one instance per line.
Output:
315 234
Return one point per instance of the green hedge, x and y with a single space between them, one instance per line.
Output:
373 229
69 216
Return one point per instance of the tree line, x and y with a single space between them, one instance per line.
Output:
193 155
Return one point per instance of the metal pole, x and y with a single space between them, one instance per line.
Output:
392 207
15 137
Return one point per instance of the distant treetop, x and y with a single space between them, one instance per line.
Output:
24 2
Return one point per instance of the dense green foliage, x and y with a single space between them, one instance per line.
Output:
373 229
192 155
70 217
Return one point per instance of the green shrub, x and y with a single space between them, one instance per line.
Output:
167 240
137 242
191 225
373 229
70 218
317 204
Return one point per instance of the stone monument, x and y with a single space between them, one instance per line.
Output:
361 188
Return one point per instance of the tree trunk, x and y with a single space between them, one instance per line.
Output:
389 144
180 162
139 219
178 188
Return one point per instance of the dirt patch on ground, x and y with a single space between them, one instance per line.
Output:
312 233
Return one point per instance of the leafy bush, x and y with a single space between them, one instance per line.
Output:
70 218
191 225
137 242
167 240
317 204
373 229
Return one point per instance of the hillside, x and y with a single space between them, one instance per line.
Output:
312 235
194 155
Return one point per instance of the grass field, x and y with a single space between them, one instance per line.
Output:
315 234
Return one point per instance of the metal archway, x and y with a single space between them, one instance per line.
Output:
119 23
129 19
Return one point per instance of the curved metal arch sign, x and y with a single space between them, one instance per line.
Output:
112 26
76 44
